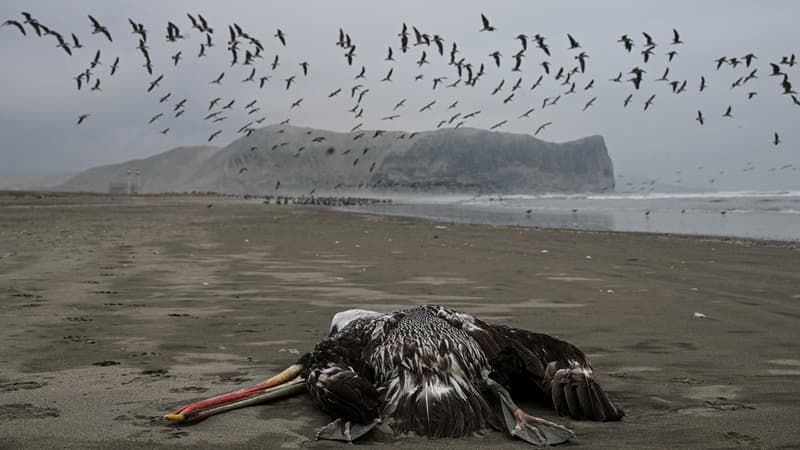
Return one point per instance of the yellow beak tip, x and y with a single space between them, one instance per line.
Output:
175 417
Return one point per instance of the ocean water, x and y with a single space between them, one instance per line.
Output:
745 214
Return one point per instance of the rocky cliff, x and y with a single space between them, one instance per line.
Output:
286 159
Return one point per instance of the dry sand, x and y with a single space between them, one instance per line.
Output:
116 310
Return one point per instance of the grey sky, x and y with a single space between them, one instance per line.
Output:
39 103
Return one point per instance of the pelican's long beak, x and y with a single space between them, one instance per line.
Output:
284 384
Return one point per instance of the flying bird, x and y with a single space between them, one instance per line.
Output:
15 24
281 37
486 25
649 102
542 127
115 66
100 29
154 83
728 112
82 118
572 42
498 125
428 106
218 80
156 117
496 56
676 38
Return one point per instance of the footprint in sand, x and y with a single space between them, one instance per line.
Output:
26 411
686 380
106 363
21 385
77 319
176 434
181 390
743 440
723 404
788 367
79 339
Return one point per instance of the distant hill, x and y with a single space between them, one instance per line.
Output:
461 160
33 182
170 171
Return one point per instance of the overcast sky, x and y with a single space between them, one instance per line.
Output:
39 102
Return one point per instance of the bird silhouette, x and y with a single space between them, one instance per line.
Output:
649 102
572 42
281 37
486 25
155 118
114 67
498 125
15 24
97 28
218 80
428 106
676 38
542 127
728 112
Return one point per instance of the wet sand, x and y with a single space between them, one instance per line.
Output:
115 310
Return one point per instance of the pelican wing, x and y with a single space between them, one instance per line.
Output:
337 378
521 359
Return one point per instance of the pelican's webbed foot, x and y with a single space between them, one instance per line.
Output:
341 430
539 432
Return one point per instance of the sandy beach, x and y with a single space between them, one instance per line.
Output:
116 310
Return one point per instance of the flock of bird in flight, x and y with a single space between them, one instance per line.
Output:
246 50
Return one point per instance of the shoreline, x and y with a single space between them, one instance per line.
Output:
700 237
116 310
354 204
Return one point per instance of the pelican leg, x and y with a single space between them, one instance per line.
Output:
536 431
340 430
